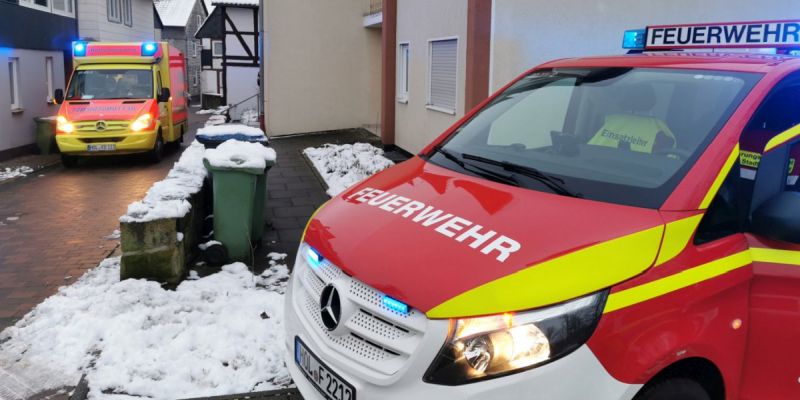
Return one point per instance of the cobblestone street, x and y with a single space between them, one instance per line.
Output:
54 223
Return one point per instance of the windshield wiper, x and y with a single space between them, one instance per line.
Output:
557 185
482 172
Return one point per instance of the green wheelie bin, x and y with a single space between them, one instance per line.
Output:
46 134
238 196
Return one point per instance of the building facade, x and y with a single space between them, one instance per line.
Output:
181 19
32 66
231 56
116 20
325 76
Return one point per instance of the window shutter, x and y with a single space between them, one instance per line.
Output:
443 72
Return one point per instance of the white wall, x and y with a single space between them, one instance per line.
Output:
18 129
93 22
529 32
418 21
322 66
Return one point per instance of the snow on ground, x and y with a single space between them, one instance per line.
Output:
237 154
342 166
216 111
169 198
9 173
216 120
215 335
249 117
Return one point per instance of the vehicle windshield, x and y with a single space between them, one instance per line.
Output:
97 84
620 135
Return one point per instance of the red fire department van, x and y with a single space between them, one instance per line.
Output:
623 227
122 98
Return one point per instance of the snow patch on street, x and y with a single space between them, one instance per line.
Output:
216 111
131 338
342 166
15 172
169 198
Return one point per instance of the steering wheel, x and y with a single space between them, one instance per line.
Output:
682 154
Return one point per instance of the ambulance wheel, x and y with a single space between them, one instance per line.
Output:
673 389
69 161
157 154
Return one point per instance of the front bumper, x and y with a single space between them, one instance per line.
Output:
126 142
577 376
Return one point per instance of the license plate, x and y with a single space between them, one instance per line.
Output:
101 147
331 386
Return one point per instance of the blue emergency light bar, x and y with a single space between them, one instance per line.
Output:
79 49
782 35
149 49
394 305
634 39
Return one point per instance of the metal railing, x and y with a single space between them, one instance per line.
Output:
373 7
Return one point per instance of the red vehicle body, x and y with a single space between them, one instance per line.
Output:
722 312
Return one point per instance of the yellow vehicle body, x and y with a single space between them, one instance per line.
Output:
116 102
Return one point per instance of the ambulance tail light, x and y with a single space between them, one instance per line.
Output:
63 125
144 121
497 345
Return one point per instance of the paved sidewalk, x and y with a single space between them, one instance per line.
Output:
294 192
52 227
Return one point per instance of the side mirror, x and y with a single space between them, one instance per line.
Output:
58 96
164 96
779 218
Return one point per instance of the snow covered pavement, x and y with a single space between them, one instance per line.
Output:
344 165
16 172
214 335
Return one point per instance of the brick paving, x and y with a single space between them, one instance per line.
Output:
294 192
53 223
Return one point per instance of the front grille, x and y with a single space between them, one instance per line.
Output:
375 336
110 126
102 140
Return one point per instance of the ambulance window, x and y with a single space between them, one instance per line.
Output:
725 214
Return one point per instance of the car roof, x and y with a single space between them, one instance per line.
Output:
740 62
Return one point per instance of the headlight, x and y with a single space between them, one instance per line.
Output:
488 347
143 122
63 125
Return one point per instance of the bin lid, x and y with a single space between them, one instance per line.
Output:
242 156
224 132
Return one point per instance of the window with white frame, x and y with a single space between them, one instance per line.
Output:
62 7
120 11
216 49
198 20
442 75
48 76
402 72
195 49
13 77
196 78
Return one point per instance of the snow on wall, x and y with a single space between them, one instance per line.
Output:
169 198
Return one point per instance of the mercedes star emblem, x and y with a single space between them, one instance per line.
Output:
330 307
101 125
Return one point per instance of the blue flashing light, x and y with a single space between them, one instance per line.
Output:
395 305
149 49
314 258
795 52
79 49
634 39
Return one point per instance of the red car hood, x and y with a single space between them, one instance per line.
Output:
567 247
110 110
